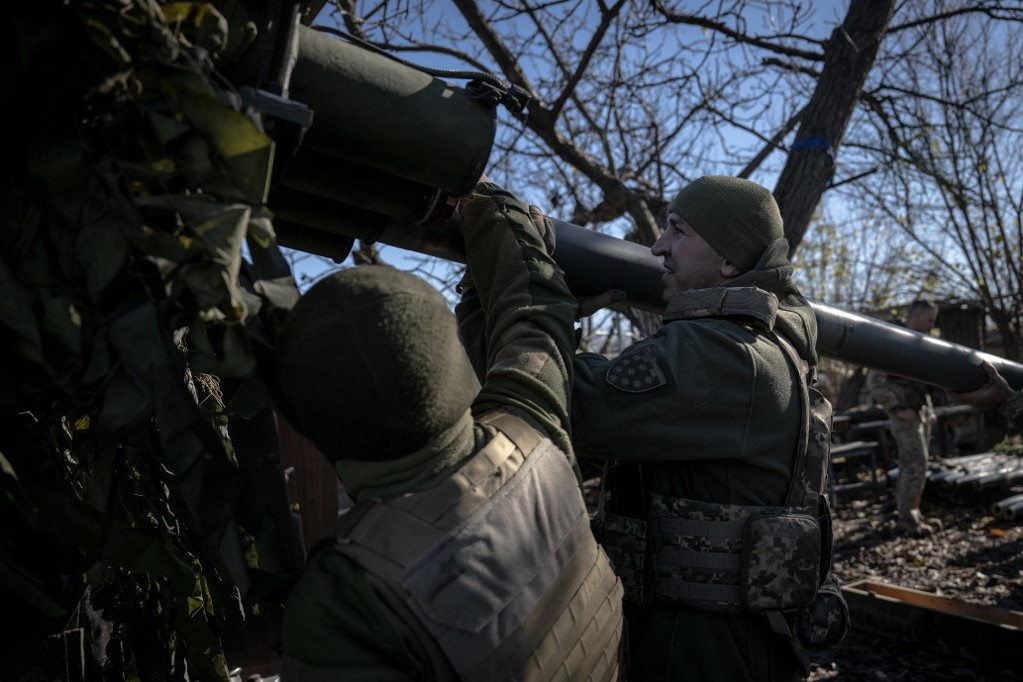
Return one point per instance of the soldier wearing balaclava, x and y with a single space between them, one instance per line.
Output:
468 554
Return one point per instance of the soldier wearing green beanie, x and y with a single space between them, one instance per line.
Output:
715 450
468 554
739 218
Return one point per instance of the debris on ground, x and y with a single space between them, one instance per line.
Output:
973 556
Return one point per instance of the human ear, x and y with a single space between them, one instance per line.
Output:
728 269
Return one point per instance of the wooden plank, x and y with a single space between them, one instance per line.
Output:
312 484
933 621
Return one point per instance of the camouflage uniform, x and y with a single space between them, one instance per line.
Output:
353 616
706 409
911 438
1012 410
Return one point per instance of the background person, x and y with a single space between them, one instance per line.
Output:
911 413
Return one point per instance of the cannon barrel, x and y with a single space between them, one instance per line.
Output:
389 143
595 262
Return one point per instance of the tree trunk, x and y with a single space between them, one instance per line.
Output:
848 57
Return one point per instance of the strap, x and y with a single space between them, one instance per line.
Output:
678 589
794 497
709 561
384 535
780 626
519 431
671 525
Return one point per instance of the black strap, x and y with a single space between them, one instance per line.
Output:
794 496
780 625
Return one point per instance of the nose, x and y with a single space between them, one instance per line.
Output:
658 248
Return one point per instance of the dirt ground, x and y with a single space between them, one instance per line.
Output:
974 557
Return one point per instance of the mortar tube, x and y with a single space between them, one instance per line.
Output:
998 507
963 460
974 476
998 479
954 477
1014 511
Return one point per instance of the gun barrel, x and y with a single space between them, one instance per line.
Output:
595 262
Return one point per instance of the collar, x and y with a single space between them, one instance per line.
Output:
751 302
412 472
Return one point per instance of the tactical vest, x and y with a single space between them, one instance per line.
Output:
498 562
729 558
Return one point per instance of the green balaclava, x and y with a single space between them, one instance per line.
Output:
739 218
370 366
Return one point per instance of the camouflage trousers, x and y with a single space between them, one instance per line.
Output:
911 438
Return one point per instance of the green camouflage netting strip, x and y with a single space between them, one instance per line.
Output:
142 182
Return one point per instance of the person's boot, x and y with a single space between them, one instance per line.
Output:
913 524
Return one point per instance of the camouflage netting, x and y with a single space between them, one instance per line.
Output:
133 183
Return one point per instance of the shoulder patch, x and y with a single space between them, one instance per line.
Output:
636 371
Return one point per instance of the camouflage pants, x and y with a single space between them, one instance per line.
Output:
911 438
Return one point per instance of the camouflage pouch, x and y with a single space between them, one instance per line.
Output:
780 561
624 541
826 622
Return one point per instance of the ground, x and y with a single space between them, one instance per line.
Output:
974 557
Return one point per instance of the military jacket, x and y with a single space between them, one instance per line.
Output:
1012 410
498 563
344 621
710 407
893 392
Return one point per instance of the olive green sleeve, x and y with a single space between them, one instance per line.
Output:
694 391
471 330
519 333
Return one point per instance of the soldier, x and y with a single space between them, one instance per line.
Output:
995 393
468 553
716 444
911 413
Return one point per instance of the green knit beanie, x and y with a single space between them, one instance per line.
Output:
370 365
737 217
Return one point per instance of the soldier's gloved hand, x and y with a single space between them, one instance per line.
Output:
545 226
826 622
591 304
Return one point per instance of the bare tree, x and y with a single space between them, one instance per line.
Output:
952 178
630 100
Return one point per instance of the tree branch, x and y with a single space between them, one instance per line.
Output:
772 144
1016 14
694 20
606 19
